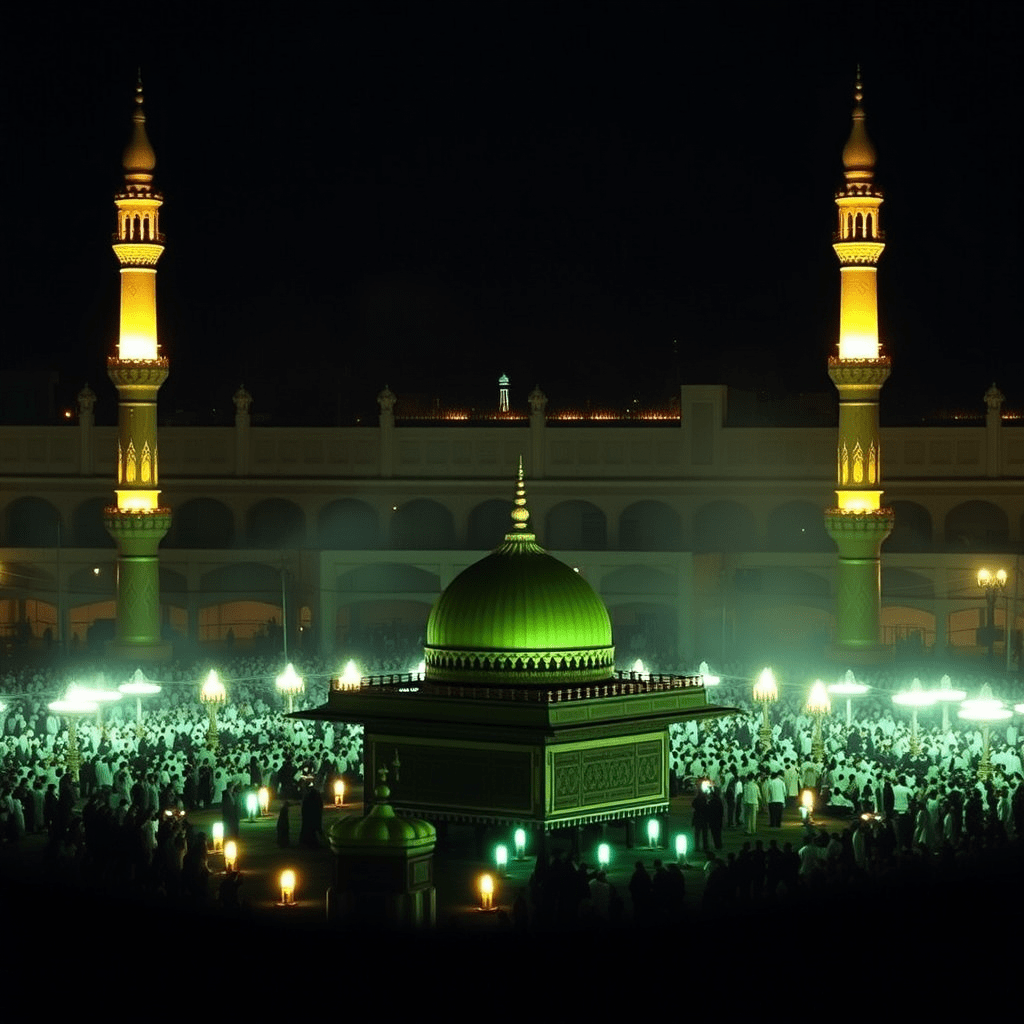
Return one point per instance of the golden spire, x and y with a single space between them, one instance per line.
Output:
858 153
139 158
520 513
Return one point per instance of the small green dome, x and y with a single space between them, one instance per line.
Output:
519 616
381 832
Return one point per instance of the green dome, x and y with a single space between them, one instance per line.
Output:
381 832
519 616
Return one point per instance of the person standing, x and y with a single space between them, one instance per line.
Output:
751 802
776 800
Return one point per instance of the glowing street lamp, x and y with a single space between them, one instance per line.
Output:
519 839
72 708
984 710
604 855
287 882
992 583
339 793
98 695
138 687
848 688
230 855
486 889
217 833
252 805
640 670
264 798
946 695
914 698
289 683
212 694
766 692
819 705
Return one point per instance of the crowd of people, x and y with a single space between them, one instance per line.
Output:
911 803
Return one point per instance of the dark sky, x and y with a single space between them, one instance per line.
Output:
602 198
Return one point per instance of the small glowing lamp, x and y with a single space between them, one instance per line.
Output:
766 690
653 833
818 700
486 892
916 697
218 836
604 855
519 839
213 691
501 858
264 798
640 669
681 846
706 678
252 804
287 888
806 805
289 682
351 677
230 855
339 793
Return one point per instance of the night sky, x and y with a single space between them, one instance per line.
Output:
606 199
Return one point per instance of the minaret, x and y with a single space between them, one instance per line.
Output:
137 521
858 524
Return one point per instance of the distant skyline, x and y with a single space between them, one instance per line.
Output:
601 199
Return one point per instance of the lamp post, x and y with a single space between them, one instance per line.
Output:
992 583
766 691
706 678
914 698
289 683
98 696
818 704
138 687
212 694
946 695
848 688
71 708
984 710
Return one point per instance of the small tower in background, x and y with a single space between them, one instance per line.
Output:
503 404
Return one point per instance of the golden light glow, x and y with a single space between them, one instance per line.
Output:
818 700
287 887
859 501
264 797
339 793
138 501
486 886
230 855
218 836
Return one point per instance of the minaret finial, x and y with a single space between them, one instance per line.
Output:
139 158
858 88
520 513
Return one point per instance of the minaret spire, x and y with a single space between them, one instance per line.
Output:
858 524
137 521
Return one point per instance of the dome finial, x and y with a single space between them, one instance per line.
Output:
520 513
